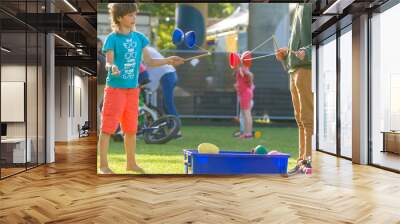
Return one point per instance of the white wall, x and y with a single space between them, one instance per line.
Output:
61 103
34 125
14 73
71 93
80 83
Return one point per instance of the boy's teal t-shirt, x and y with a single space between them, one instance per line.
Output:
127 50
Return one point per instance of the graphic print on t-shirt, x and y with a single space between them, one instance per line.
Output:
129 66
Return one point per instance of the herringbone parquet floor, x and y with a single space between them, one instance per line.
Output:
70 191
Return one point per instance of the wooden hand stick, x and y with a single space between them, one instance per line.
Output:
276 46
198 56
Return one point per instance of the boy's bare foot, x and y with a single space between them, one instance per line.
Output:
135 168
105 170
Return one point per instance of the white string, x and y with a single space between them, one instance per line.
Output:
197 56
276 48
201 48
266 41
263 56
271 54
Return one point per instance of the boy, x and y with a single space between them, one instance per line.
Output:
124 48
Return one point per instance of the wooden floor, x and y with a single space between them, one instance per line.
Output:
70 191
10 171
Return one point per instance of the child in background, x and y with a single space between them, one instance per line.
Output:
143 75
237 134
245 87
124 48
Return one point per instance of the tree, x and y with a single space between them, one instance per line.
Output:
166 14
221 10
165 27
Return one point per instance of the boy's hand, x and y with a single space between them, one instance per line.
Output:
281 53
175 60
115 70
300 54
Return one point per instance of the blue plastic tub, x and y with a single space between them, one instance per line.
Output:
228 162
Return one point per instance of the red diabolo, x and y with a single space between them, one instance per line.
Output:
246 59
234 60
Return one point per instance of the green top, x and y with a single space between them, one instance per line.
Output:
300 38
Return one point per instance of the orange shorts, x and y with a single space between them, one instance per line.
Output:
120 106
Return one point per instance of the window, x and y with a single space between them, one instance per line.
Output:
327 96
22 77
346 93
385 85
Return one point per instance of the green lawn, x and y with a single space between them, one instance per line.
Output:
168 158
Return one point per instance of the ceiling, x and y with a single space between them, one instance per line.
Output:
72 20
75 21
328 15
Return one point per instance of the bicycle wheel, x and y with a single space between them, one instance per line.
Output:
159 112
118 136
162 130
148 118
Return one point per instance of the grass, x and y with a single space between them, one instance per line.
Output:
168 158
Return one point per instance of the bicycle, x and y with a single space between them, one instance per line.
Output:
153 125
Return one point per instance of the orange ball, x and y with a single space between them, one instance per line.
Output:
257 134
